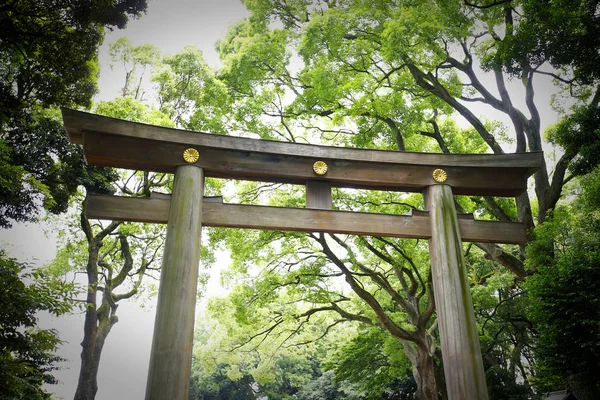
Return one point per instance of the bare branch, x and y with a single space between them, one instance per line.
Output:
492 4
498 254
382 316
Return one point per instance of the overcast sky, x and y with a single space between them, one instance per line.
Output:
171 25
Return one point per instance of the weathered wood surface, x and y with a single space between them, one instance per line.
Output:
171 354
117 143
298 219
463 365
77 121
318 195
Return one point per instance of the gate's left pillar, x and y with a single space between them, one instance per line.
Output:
171 354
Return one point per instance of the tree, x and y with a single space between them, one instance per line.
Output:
398 69
394 75
48 58
242 373
505 332
324 387
564 294
115 269
132 57
374 362
190 94
45 169
27 352
115 257
217 385
300 278
223 369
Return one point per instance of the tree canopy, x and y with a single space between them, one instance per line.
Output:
564 297
27 352
115 257
400 76
48 59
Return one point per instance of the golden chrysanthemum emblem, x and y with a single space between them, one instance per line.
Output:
439 175
191 155
320 168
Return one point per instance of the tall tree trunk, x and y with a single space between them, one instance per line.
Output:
425 372
424 369
92 344
98 321
87 386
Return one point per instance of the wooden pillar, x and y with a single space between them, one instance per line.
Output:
463 366
171 355
318 195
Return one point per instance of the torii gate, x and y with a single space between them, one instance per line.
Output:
192 156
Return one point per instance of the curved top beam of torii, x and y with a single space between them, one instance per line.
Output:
118 143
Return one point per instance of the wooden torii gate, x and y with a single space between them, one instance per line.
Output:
192 156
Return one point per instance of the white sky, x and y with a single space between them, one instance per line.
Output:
171 25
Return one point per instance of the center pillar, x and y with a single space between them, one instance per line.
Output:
463 365
171 354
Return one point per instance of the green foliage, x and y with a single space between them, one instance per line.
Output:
48 58
48 51
189 93
559 32
579 134
290 295
564 294
223 366
44 168
374 362
116 257
132 57
217 384
17 191
394 75
27 353
385 75
130 109
325 387
225 369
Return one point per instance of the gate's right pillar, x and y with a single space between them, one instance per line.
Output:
463 365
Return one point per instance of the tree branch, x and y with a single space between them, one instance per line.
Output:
498 254
384 319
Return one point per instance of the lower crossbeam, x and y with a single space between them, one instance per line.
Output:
217 214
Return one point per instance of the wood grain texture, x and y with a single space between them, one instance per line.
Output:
117 143
171 354
142 154
297 219
318 195
77 121
463 365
